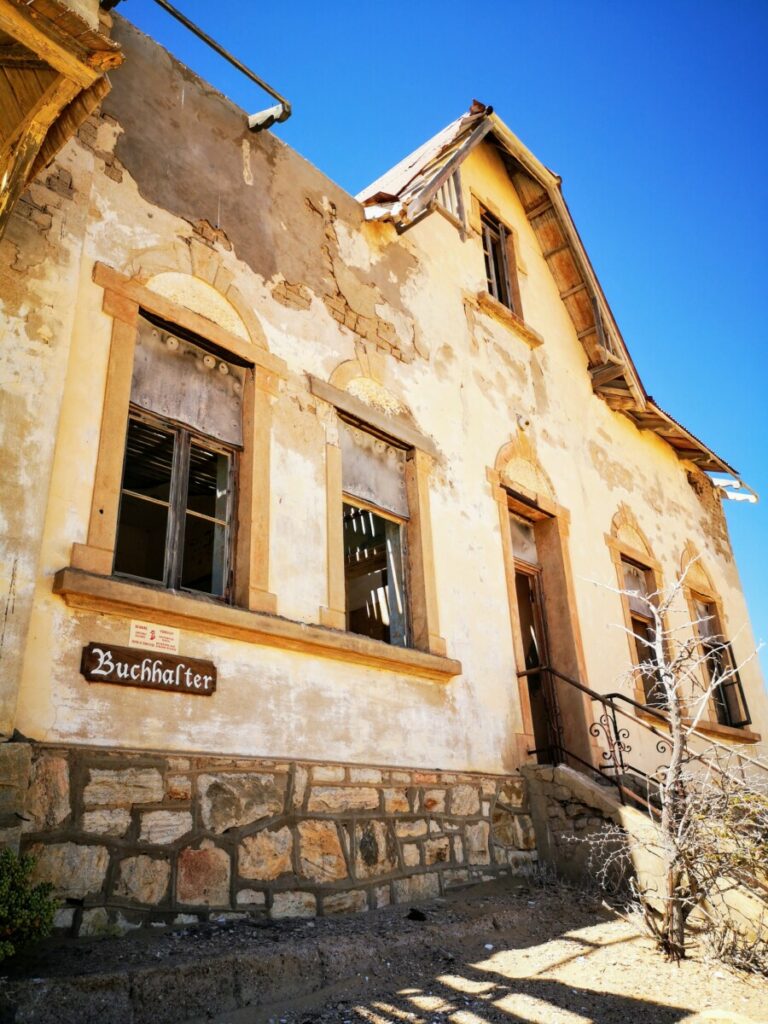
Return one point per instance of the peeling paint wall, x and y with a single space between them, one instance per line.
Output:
168 181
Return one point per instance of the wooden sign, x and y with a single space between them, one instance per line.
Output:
105 663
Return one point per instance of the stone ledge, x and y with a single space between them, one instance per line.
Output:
493 308
118 597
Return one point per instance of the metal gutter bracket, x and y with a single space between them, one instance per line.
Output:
266 118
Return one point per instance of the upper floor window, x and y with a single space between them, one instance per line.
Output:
721 673
498 252
177 498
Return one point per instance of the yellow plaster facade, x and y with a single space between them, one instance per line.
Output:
384 317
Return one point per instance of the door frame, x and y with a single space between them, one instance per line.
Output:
551 524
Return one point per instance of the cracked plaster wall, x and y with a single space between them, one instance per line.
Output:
325 289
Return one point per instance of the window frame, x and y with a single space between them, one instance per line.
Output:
648 681
718 703
621 553
125 300
419 558
353 501
185 437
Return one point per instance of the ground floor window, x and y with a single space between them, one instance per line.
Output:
374 574
175 521
638 592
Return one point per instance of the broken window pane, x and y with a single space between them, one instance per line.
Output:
373 572
637 585
495 253
205 531
523 539
176 508
145 501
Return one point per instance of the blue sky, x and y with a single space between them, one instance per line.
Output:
654 115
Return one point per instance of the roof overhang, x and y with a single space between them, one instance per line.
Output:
53 66
407 193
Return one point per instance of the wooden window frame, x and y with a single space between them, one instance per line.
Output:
124 299
620 553
354 501
186 437
708 597
419 556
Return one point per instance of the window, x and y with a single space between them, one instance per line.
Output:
638 586
375 515
177 497
498 252
373 575
176 502
728 693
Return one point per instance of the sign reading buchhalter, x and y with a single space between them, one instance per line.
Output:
105 663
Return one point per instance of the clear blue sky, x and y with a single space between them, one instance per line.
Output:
653 113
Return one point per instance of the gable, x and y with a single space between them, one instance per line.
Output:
407 193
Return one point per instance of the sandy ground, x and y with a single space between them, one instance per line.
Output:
501 952
566 960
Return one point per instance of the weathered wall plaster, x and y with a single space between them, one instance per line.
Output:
168 180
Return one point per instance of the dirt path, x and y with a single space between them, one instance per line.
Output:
565 960
492 953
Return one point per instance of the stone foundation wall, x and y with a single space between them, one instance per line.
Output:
570 812
132 839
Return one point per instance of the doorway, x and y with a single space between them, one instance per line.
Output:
533 633
546 635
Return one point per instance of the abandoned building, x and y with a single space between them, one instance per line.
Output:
317 509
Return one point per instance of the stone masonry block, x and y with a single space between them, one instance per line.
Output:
346 902
75 871
321 857
293 904
203 876
123 788
266 855
376 850
161 827
464 800
232 800
335 798
107 821
143 879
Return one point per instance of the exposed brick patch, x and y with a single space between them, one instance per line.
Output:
212 235
294 296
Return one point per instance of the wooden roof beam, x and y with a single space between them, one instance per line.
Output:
61 51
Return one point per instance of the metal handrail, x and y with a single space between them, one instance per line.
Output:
609 701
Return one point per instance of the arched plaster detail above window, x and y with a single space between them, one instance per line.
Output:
201 298
520 470
626 529
193 275
694 571
362 378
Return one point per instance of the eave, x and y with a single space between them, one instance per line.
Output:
615 379
52 75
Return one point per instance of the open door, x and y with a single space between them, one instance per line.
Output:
546 634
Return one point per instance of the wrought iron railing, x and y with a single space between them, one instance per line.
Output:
613 726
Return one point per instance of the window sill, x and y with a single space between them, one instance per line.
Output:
493 308
194 614
714 729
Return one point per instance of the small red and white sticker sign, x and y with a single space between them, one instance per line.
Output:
152 637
